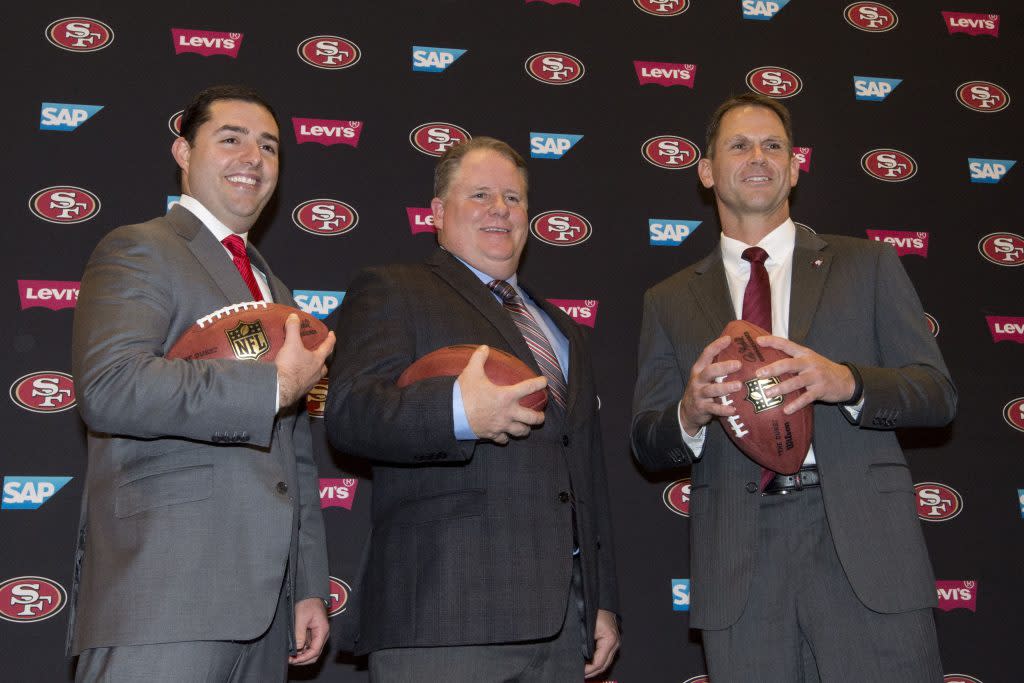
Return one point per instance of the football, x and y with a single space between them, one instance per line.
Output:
500 367
250 331
759 428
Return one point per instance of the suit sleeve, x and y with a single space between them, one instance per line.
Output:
367 415
312 574
123 317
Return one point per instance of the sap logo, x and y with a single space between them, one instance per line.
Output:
318 304
551 145
680 595
762 11
582 311
206 43
173 199
434 59
989 170
873 88
1020 498
915 243
957 595
1006 328
669 232
52 294
339 493
65 117
29 493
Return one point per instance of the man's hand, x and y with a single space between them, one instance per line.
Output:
606 644
823 380
298 368
311 629
700 400
493 411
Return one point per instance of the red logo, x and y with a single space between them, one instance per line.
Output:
1006 328
52 294
774 81
582 311
31 598
803 157
435 138
982 96
937 502
915 243
327 132
960 678
420 220
316 399
174 123
329 52
957 595
340 592
872 17
1002 248
663 8
64 204
671 152
666 73
933 324
44 392
972 24
79 34
676 497
698 679
561 228
325 217
554 68
1013 413
890 165
338 493
206 43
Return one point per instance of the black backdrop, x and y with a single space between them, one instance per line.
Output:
121 155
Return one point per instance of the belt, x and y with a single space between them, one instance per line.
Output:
782 484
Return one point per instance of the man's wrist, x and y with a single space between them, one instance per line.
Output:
858 385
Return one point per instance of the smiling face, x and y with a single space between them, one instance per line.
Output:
232 165
482 217
751 170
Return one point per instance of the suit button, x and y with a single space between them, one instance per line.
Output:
244 436
565 439
564 496
282 487
751 487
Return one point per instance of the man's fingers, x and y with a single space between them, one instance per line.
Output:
479 357
710 351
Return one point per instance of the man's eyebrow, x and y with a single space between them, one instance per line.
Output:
242 130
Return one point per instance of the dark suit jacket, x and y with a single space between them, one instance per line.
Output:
851 301
197 497
471 542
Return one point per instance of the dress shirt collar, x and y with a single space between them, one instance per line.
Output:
779 244
219 230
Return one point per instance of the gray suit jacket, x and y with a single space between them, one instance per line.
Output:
851 301
200 504
471 542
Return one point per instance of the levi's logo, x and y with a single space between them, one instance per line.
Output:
971 24
583 311
1006 328
803 157
340 493
665 73
206 43
957 595
420 220
915 243
327 132
52 294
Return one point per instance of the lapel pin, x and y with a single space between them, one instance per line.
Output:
817 263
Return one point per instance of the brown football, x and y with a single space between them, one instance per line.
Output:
759 428
250 331
501 368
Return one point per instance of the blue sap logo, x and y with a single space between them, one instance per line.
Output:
28 493
873 88
669 232
65 117
681 595
318 304
172 199
551 145
989 170
762 10
434 59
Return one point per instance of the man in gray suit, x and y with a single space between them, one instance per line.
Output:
491 553
201 552
824 574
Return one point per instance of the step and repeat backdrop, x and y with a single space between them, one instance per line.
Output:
908 131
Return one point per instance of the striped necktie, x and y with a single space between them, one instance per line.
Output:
236 246
757 308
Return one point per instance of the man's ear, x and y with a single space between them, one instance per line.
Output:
180 150
707 178
437 210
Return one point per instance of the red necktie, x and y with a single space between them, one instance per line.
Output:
236 246
757 308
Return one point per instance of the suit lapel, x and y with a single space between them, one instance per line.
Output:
281 294
711 291
568 327
811 263
210 254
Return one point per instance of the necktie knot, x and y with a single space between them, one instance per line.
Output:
755 255
503 289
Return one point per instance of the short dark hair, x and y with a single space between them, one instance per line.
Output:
452 157
198 110
747 99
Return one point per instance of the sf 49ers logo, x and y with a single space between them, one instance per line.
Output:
663 8
44 392
555 68
340 592
933 324
31 598
561 228
1013 413
79 34
774 81
698 679
676 497
982 96
64 204
960 678
435 138
325 217
248 340
937 502
872 17
1002 248
890 165
329 52
671 152
316 399
174 123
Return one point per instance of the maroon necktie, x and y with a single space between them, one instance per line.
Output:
236 246
757 308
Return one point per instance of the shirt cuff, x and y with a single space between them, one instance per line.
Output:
463 432
854 410
694 443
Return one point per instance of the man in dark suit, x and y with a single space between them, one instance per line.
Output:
825 573
491 556
201 552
